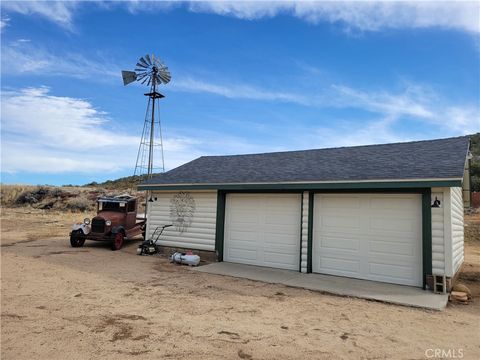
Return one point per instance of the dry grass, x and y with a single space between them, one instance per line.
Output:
10 193
32 224
55 198
79 203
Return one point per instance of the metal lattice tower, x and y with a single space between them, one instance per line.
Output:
151 143
152 72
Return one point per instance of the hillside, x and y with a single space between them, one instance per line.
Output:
128 182
61 198
475 161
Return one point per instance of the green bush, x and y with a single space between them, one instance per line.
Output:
474 168
475 184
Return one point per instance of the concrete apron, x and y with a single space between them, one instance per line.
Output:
364 289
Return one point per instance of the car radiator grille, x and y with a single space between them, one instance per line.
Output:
98 225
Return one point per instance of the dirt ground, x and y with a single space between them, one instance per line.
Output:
63 303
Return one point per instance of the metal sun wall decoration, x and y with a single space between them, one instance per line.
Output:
182 210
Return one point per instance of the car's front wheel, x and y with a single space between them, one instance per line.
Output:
117 241
75 238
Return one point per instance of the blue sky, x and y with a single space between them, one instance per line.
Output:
246 77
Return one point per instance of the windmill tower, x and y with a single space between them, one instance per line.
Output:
152 72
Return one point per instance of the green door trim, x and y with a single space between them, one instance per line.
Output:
426 235
220 225
426 222
426 194
220 220
301 233
311 195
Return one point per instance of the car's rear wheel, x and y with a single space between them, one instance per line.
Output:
117 241
75 239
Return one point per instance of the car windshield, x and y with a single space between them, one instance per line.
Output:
111 206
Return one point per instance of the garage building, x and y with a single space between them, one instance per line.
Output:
390 213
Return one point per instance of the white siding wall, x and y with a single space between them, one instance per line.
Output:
457 228
303 264
200 235
447 231
438 235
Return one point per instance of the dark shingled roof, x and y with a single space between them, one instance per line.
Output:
431 159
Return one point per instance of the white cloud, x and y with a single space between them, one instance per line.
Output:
465 119
354 133
43 133
383 116
46 133
59 12
413 102
4 23
22 57
242 91
136 6
352 15
247 10
360 15
67 122
407 103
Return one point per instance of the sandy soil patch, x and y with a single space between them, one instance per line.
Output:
59 302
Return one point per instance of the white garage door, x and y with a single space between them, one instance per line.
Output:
263 229
369 236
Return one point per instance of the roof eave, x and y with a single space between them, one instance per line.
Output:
321 185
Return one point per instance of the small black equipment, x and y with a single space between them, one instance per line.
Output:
150 247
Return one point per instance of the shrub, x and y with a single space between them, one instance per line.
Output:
10 193
57 192
79 203
33 197
475 185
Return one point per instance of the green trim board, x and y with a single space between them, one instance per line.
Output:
265 191
220 225
426 234
311 195
307 186
301 231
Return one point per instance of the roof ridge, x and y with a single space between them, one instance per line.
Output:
336 148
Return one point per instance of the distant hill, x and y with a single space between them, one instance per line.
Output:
128 182
71 198
475 162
